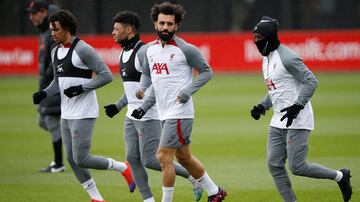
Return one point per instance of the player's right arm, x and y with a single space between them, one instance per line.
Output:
149 101
261 108
53 87
112 109
122 102
266 102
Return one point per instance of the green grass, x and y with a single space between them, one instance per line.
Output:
225 138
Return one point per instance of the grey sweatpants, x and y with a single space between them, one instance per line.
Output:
142 141
293 145
77 135
52 124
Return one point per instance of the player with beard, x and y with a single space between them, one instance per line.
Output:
290 86
169 62
142 136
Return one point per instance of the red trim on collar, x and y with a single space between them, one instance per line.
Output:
68 45
170 42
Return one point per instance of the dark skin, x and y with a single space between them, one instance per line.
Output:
258 37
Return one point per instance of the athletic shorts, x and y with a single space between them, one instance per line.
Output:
176 132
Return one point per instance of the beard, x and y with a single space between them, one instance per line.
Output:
128 44
123 42
165 35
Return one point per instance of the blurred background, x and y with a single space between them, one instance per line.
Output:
325 33
95 16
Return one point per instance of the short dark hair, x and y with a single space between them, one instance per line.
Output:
168 8
66 19
128 17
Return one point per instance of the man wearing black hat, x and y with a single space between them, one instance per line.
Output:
290 86
49 108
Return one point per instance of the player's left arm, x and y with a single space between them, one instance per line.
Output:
91 59
296 67
198 62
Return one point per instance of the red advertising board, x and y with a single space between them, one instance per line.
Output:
18 55
226 52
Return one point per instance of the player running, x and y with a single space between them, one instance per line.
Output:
290 86
142 136
169 62
74 62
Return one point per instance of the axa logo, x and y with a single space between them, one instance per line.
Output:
158 68
59 68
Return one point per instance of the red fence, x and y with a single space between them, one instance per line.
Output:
226 52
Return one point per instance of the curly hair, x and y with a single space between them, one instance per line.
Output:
66 19
168 8
128 17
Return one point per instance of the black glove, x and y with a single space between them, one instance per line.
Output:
73 91
138 113
38 96
257 111
291 113
111 110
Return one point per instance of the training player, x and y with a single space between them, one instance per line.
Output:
169 62
142 137
290 86
74 63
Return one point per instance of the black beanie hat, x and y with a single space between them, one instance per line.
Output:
266 27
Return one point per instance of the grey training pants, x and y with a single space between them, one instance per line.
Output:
293 145
76 136
142 141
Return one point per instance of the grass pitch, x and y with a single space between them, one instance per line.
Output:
230 144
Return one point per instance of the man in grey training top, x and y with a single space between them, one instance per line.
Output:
290 86
169 63
74 63
142 136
